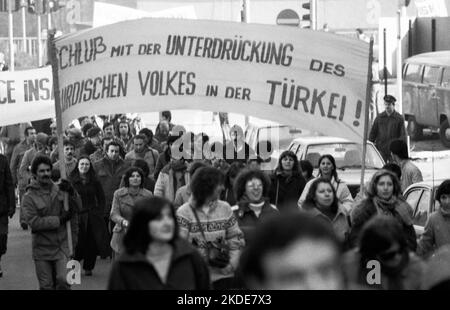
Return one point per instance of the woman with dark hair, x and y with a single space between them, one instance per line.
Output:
307 169
184 192
210 226
322 202
383 242
327 170
383 197
123 204
287 183
149 183
228 193
437 228
252 191
92 233
154 257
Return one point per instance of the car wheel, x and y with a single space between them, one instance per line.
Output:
415 131
444 133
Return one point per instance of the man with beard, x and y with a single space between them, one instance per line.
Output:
43 208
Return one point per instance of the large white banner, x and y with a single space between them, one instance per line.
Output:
308 79
26 96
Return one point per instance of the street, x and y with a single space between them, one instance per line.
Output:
18 266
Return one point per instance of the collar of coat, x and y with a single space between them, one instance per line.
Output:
316 212
37 188
180 249
123 191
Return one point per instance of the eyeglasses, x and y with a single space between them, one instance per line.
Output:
254 185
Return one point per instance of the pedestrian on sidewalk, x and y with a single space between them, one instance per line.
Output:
155 257
7 204
43 210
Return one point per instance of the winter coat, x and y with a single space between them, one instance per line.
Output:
219 226
41 212
93 205
88 148
122 209
436 233
97 156
16 158
109 174
165 184
7 197
25 176
341 222
150 157
386 128
247 219
366 209
342 192
187 271
410 174
286 190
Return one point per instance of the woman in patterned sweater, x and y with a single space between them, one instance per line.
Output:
207 223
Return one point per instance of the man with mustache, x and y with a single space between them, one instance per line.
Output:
43 209
69 159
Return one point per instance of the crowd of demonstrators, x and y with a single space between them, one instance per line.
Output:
123 205
328 170
181 221
155 257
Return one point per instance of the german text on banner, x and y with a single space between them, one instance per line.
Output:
308 79
26 96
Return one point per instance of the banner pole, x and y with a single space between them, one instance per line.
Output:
62 165
10 36
366 113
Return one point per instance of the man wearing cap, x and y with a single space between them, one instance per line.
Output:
93 141
24 176
388 126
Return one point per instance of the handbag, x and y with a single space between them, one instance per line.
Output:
218 254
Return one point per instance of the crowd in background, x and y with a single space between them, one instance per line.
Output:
168 219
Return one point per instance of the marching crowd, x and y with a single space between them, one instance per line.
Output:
171 220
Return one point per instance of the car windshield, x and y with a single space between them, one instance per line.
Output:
279 136
347 155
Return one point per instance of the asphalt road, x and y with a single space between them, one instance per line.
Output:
18 266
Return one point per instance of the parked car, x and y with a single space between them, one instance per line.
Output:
421 197
273 140
348 156
426 94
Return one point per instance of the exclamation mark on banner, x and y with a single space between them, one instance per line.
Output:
358 113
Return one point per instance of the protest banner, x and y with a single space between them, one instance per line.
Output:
308 79
26 96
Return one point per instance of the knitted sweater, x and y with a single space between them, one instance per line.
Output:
219 225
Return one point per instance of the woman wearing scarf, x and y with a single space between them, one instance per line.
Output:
322 202
252 189
327 170
287 183
383 197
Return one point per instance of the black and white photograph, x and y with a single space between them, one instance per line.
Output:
224 150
